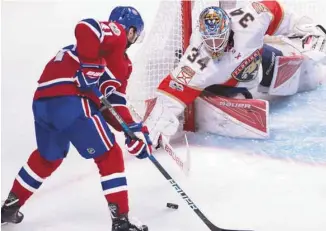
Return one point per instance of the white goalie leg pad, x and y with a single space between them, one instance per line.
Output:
241 118
163 118
312 75
286 76
295 71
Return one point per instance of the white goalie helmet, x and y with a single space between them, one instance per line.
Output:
215 29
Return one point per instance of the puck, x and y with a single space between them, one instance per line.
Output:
172 206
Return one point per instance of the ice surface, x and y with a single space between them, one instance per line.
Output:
233 189
235 183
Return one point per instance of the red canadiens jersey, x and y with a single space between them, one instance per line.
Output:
94 40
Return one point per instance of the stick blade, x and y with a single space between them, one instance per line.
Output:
219 229
233 230
215 228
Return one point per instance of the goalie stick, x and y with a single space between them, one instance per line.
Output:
183 165
167 176
164 142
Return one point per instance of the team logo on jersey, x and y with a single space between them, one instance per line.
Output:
248 69
176 86
259 7
185 75
91 150
115 28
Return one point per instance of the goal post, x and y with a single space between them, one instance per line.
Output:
186 7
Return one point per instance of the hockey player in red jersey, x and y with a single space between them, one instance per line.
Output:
67 110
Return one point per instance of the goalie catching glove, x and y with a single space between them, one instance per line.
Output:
142 147
315 42
313 36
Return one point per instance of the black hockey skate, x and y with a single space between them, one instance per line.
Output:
10 211
122 223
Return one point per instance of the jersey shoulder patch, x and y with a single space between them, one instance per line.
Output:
115 29
112 28
185 75
259 7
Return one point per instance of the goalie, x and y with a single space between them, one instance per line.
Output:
227 62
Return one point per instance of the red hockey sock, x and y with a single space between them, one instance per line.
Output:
32 175
113 178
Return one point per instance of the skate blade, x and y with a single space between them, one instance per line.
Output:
3 223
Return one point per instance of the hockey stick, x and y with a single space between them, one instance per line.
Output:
167 176
164 142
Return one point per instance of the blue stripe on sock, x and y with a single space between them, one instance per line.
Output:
114 183
28 179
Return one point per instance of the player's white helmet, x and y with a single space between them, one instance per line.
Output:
215 29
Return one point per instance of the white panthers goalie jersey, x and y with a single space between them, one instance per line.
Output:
240 65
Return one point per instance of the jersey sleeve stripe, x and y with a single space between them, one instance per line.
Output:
73 55
56 81
107 70
94 26
277 13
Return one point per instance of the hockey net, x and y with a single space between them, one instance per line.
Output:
168 39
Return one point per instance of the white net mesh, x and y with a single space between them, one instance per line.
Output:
158 56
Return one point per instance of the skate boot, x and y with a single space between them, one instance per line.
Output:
10 210
122 222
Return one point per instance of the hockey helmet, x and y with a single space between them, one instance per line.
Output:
215 29
129 17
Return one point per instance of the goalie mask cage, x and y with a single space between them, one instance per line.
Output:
169 37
